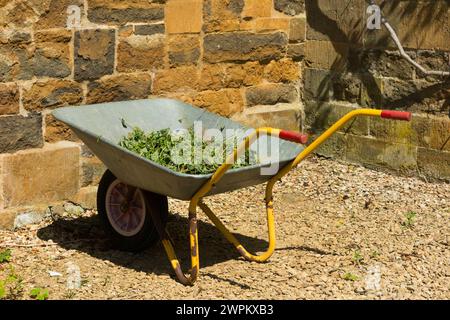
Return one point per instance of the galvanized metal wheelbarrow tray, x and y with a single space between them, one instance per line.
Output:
101 127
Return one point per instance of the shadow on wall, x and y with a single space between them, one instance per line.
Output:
358 50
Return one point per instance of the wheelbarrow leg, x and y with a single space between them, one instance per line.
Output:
231 238
168 247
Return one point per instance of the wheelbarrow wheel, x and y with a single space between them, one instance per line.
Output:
126 212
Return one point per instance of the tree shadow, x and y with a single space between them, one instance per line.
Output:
352 41
86 235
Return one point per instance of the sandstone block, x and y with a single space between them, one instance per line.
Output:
41 175
225 102
9 99
57 131
281 116
94 54
52 94
271 94
184 49
244 46
184 16
141 53
19 133
176 79
119 88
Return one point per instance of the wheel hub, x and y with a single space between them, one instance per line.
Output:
125 208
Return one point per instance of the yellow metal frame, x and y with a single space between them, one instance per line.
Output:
196 200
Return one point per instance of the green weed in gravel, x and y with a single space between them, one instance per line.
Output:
5 256
410 217
39 294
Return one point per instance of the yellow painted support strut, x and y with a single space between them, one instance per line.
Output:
197 198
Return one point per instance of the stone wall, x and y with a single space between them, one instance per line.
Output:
241 59
294 64
349 66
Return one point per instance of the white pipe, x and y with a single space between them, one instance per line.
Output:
407 57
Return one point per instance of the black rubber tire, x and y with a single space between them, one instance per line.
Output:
148 234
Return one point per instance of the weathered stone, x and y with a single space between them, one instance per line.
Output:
434 163
17 15
27 218
119 88
52 94
186 97
141 53
225 102
184 16
212 77
121 12
333 147
257 9
218 76
418 27
418 95
54 13
321 116
424 131
267 25
14 37
431 132
247 74
30 181
94 54
16 62
52 56
55 211
290 7
126 31
7 218
318 84
433 60
73 210
9 99
326 55
386 64
392 131
53 36
176 79
297 30
284 70
281 116
86 198
270 94
399 90
149 29
235 6
19 133
244 46
92 170
184 49
380 153
332 21
142 4
57 131
296 51
222 15
349 87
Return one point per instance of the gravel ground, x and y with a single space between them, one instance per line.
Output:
343 233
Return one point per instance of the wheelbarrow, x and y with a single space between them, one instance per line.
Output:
132 194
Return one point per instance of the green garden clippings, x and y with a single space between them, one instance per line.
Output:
158 145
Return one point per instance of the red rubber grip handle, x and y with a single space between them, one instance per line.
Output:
396 115
293 136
